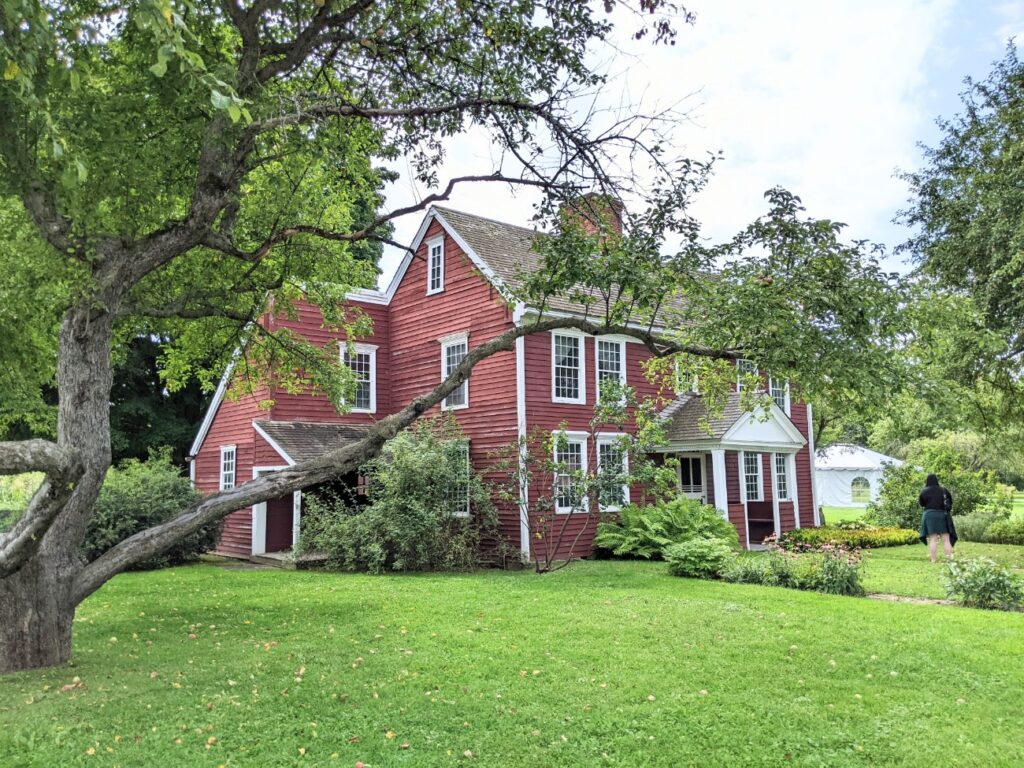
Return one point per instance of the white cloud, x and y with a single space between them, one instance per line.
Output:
826 99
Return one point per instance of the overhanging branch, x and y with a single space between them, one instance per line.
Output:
348 458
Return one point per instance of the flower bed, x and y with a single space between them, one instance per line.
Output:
808 539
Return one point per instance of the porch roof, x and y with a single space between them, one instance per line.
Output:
691 426
302 440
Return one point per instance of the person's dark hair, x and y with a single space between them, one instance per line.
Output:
931 480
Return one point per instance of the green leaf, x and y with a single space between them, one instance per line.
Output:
219 100
234 112
159 69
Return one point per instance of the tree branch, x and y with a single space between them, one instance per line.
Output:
63 469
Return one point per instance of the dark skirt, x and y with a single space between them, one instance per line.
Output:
936 521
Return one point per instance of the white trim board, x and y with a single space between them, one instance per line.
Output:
211 410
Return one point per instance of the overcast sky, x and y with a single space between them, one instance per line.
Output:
827 99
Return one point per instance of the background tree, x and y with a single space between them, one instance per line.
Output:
968 210
183 169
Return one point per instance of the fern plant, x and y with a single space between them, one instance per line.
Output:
645 532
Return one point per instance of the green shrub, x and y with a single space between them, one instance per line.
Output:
839 573
866 537
974 527
1005 531
140 494
420 477
834 571
646 531
897 498
746 568
698 558
981 583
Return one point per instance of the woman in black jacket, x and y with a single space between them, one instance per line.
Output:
936 519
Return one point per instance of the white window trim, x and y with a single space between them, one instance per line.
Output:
431 244
224 450
451 340
582 373
740 377
614 439
572 437
597 360
760 477
371 350
785 398
776 457
467 510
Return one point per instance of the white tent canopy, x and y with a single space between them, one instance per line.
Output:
849 475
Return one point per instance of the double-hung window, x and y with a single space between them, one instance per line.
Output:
454 349
567 368
228 464
744 368
611 363
779 389
752 476
612 473
782 477
361 359
435 265
570 456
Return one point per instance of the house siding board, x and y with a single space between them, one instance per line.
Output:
232 425
468 303
307 406
548 416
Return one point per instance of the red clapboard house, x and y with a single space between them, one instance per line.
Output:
451 298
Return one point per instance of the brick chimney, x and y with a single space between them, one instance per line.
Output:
595 212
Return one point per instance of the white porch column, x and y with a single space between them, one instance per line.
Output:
775 496
793 492
721 489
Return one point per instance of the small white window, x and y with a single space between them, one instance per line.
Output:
782 476
362 361
435 265
453 351
752 476
228 454
570 462
567 368
779 389
613 472
860 490
611 362
744 368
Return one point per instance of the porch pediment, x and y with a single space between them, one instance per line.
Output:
691 427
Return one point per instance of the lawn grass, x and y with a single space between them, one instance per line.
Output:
834 515
604 663
908 571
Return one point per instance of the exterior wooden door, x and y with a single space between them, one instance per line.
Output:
691 477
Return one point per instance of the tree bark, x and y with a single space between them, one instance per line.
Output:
35 618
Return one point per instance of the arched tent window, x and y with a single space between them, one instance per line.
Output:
860 490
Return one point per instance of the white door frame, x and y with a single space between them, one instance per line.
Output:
703 474
259 515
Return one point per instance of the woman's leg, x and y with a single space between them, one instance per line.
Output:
933 545
947 545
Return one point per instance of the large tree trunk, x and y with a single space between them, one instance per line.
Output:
36 603
35 618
